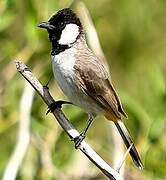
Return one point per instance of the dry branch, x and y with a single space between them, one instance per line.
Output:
66 125
23 138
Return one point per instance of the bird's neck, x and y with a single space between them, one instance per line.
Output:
58 48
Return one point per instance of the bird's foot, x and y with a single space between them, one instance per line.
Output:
55 105
78 140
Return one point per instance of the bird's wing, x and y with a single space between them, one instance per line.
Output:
92 77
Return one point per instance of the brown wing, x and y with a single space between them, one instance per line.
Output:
93 79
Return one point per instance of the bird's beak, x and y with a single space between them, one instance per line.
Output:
46 25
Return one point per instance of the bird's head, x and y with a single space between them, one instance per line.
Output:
63 28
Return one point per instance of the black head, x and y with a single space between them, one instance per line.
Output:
64 28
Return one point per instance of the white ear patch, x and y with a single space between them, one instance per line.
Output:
69 34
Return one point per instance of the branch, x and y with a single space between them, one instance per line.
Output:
23 134
65 124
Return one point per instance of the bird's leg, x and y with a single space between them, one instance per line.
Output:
48 81
82 136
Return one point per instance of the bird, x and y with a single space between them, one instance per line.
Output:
83 77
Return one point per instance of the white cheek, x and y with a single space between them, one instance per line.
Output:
69 34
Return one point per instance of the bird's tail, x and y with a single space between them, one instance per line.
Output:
128 142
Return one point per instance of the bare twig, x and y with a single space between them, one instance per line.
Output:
124 158
45 156
66 125
23 135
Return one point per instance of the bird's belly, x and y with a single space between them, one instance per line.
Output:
67 84
63 64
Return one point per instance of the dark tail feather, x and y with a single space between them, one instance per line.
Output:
128 141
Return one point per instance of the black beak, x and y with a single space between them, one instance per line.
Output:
46 25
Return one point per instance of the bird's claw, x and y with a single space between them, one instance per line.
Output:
55 105
78 139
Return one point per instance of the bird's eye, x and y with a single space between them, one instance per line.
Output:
62 24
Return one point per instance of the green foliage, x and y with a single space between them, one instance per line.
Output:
132 35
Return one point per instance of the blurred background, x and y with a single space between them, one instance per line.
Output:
132 36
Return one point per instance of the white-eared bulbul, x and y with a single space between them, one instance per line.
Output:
82 76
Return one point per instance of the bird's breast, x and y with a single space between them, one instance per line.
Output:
63 70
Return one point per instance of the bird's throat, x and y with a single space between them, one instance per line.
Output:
58 48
